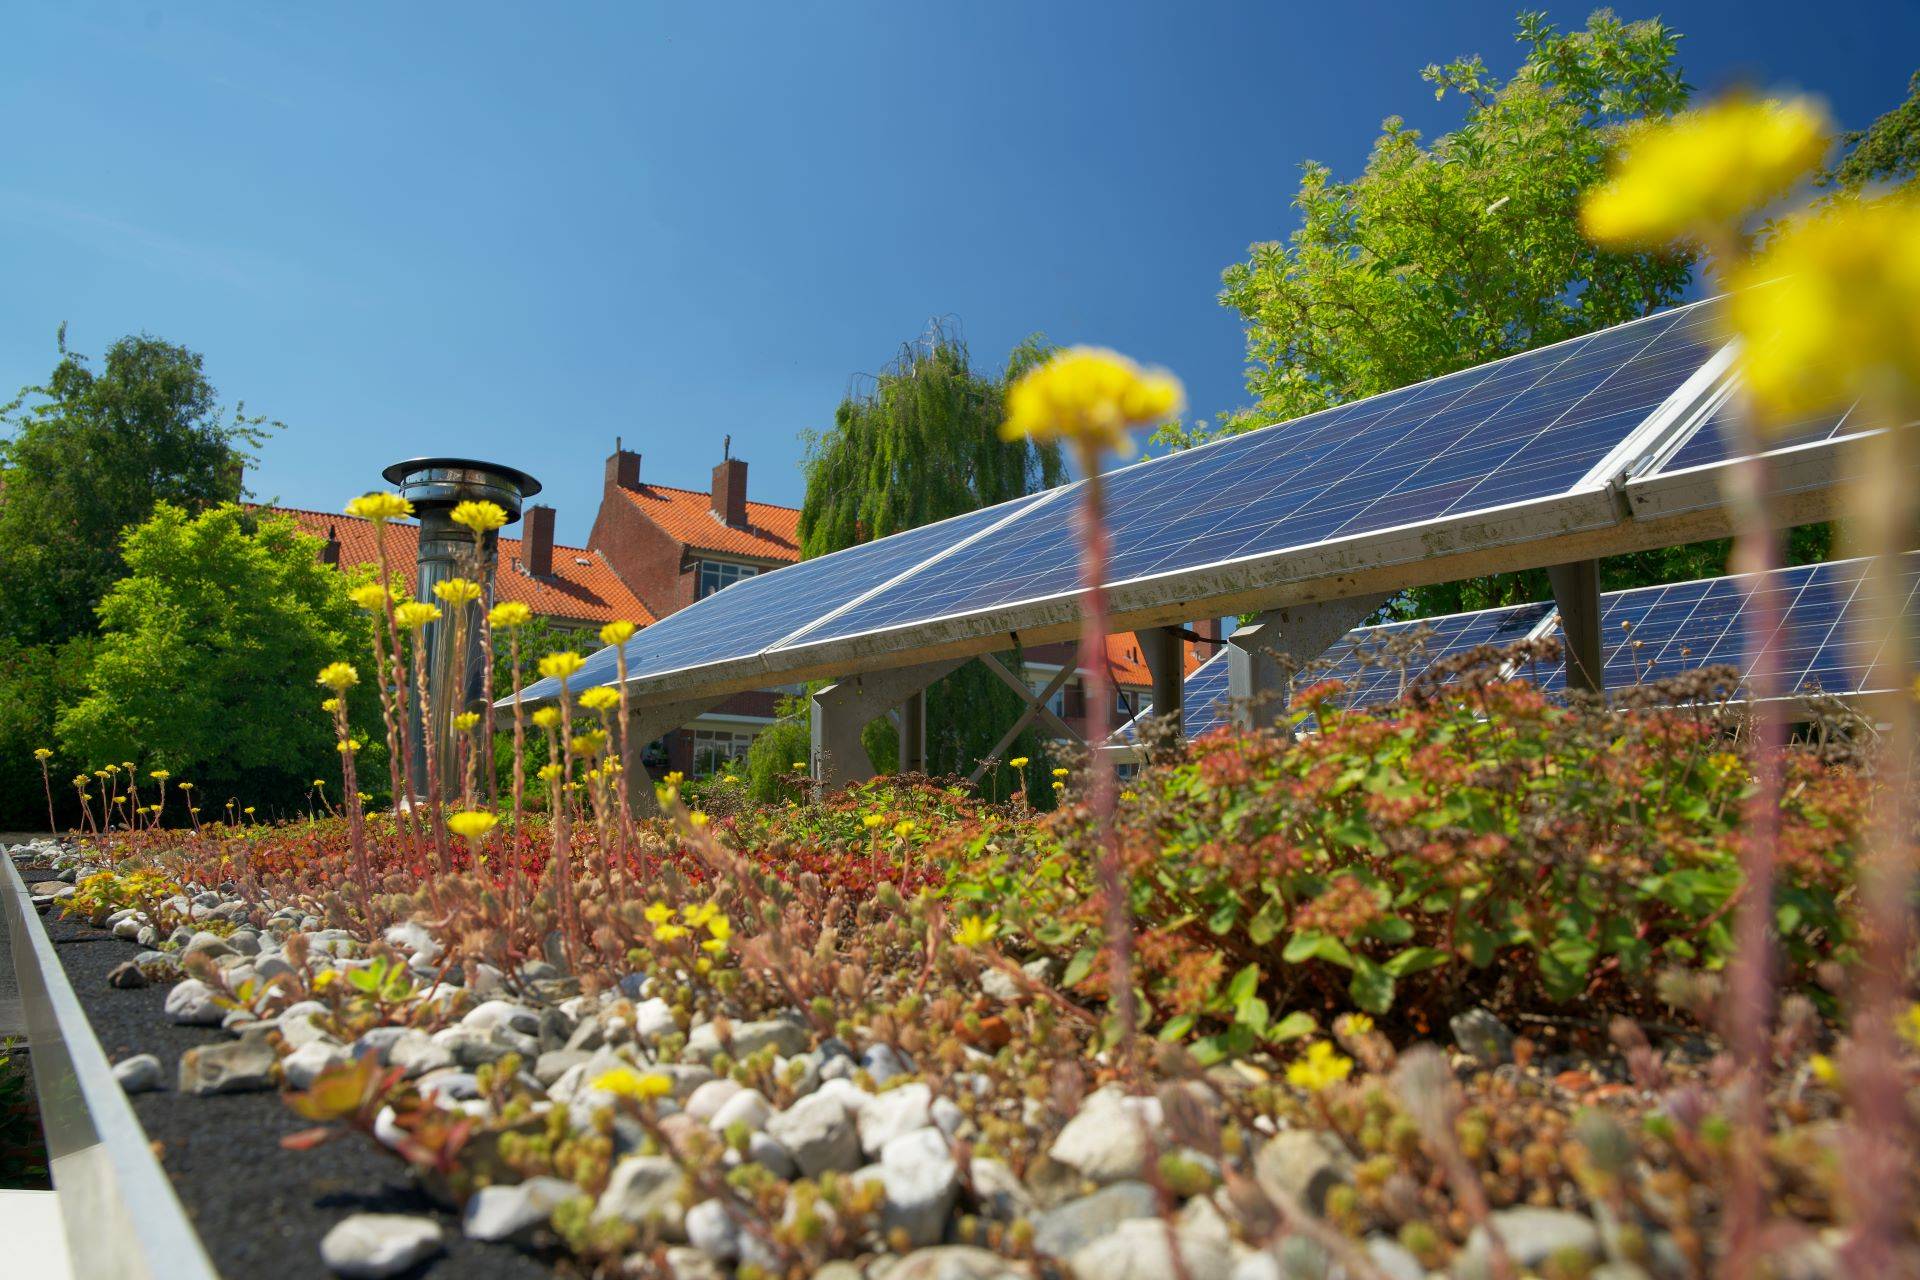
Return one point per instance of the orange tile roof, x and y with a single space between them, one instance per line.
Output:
771 533
576 592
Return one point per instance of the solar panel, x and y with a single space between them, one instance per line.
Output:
1203 702
1709 442
756 613
1528 427
1649 633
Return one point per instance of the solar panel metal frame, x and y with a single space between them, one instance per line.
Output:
1627 502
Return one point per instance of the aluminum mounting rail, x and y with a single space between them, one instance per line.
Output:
122 1217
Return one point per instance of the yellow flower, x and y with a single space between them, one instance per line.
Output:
1699 174
1091 395
457 591
1357 1024
184 786
799 765
320 782
1061 773
370 596
697 818
675 778
478 516
160 775
547 718
1018 762
1129 796
472 823
1823 1069
975 931
558 666
466 720
669 932
415 614
659 913
248 810
618 631
548 772
712 946
600 698
1321 1067
1909 1025
380 507
720 928
42 753
874 821
510 614
625 1082
588 744
1059 786
347 747
330 705
903 828
339 676
1831 310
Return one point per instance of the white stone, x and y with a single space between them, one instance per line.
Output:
705 1102
653 1019
1107 1140
367 1246
749 1107
819 1132
642 1190
489 1014
304 1065
921 1183
1139 1250
513 1213
139 1073
191 1002
892 1113
712 1230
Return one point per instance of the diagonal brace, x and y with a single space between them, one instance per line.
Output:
1036 706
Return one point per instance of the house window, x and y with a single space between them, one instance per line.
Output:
715 749
718 575
1125 703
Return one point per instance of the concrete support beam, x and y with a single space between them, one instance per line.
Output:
845 707
913 732
644 724
1165 655
1576 593
1263 654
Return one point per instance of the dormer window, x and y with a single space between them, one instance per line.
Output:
717 575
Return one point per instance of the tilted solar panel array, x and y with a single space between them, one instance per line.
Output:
1709 443
1529 427
1649 633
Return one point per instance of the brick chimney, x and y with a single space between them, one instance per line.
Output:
730 488
623 468
537 540
330 550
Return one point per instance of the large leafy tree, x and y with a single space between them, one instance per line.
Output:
921 442
1885 152
91 453
206 661
1449 253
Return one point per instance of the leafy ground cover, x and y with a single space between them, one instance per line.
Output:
1434 987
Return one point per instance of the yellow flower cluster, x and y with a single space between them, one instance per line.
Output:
1697 175
1091 396
625 1082
466 721
602 697
415 614
558 666
380 507
42 753
1831 310
510 614
547 718
478 516
339 676
1018 762
976 931
874 821
370 596
617 632
457 591
471 824
1322 1067
588 744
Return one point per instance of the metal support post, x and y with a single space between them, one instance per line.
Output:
845 707
1165 656
1262 655
1576 592
644 724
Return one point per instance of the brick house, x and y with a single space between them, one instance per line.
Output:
655 549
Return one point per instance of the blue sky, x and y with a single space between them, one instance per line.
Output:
517 231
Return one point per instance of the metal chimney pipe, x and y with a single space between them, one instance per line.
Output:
435 486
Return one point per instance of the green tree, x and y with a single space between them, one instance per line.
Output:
921 443
35 681
1886 151
206 661
90 454
1442 256
1446 254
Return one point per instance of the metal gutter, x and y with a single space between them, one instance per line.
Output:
122 1217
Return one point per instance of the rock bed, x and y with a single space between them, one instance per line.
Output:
351 1208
